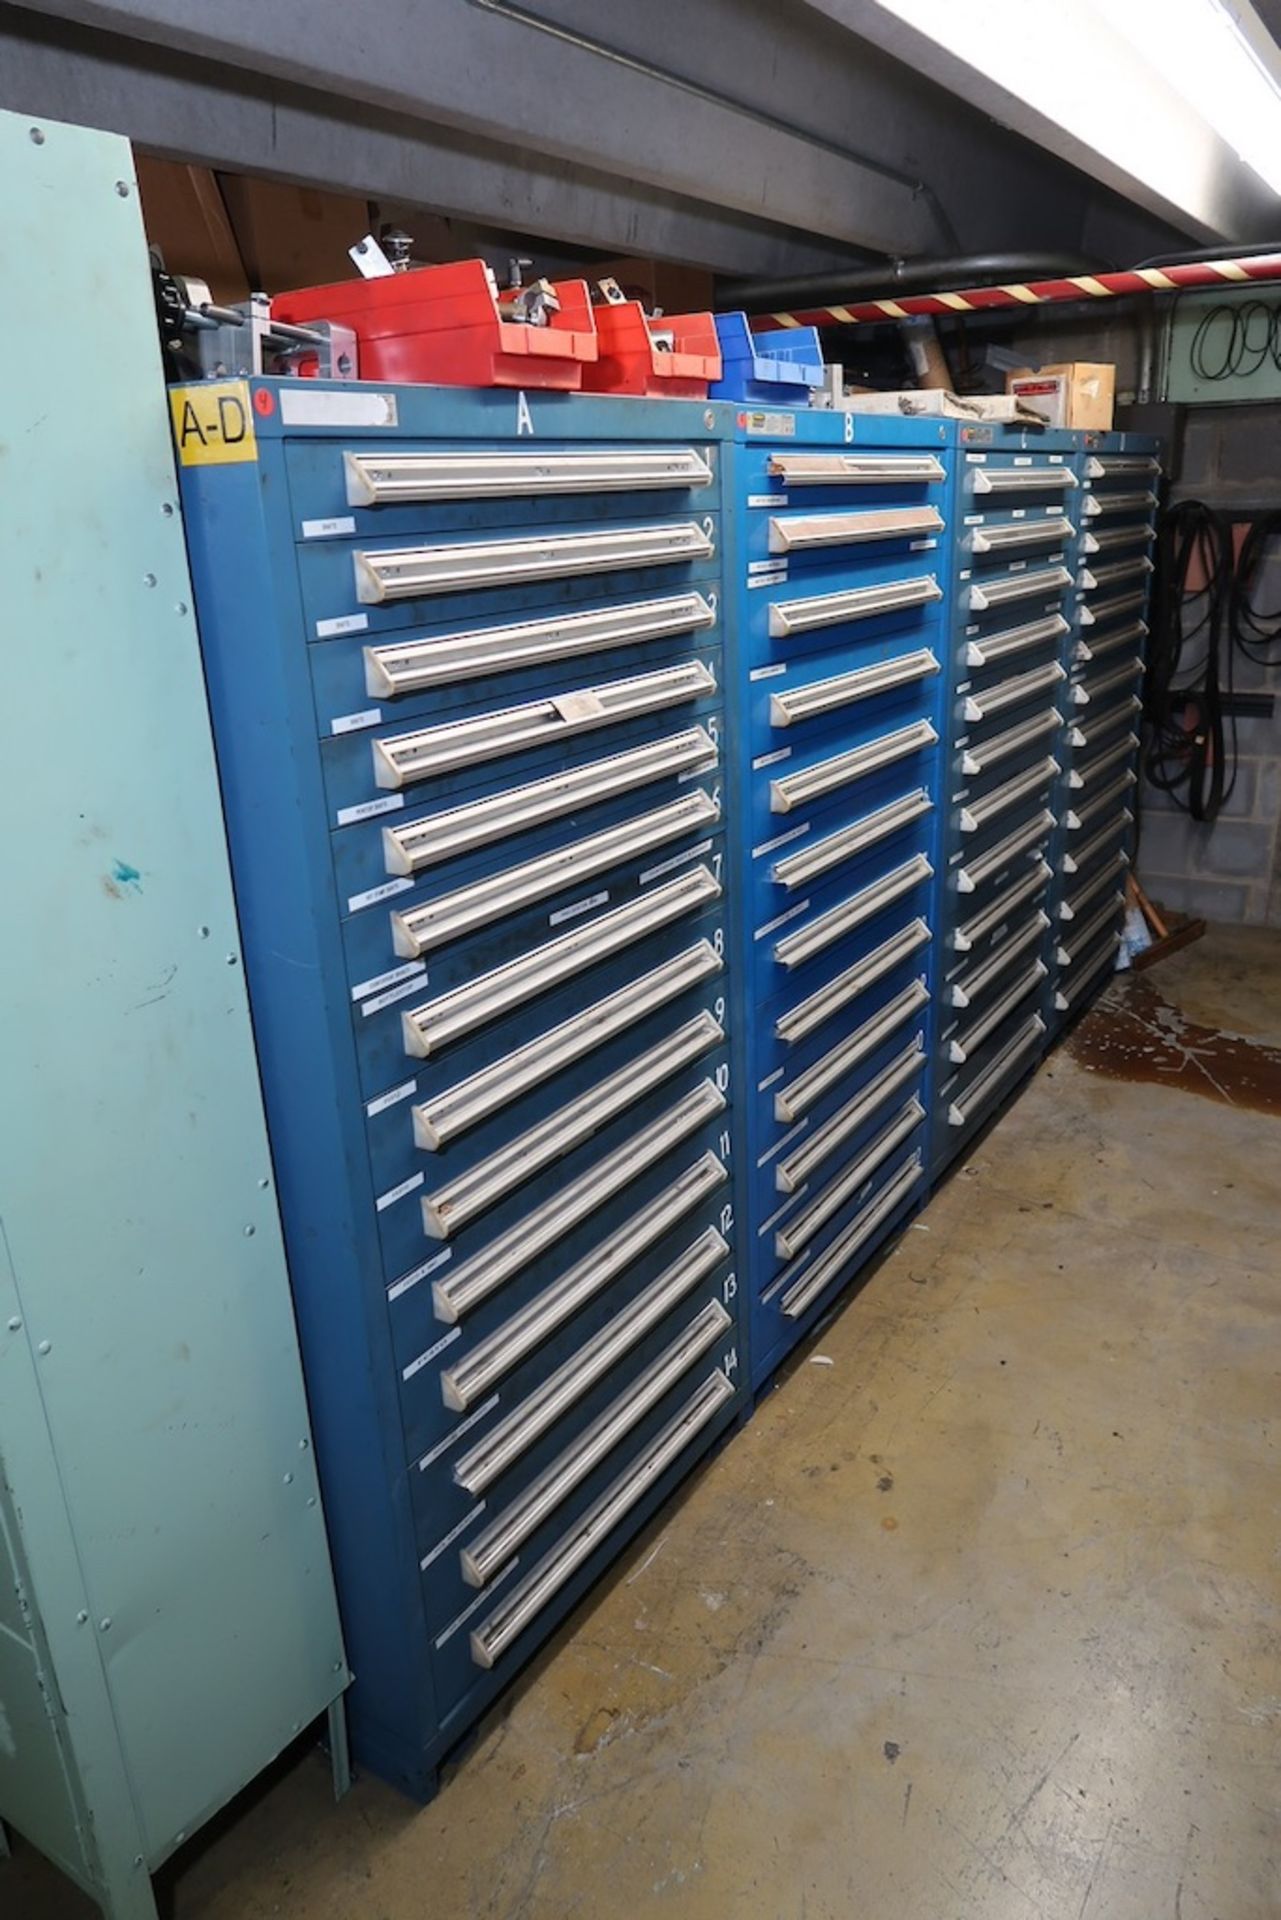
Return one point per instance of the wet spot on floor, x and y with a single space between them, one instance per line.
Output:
885 1482
892 1751
1135 1035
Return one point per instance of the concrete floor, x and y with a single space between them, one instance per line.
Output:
979 1617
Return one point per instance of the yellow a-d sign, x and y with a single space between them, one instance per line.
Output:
213 425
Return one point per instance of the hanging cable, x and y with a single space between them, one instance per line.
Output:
1187 752
1255 630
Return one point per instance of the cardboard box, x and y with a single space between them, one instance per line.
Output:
184 214
292 236
1079 393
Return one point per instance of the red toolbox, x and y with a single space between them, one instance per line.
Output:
635 357
443 326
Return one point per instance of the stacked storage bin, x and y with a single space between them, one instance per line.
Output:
837 564
1099 748
467 692
1014 607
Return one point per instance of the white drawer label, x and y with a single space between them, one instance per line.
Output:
394 1194
368 809
391 1098
412 970
381 1000
356 901
355 722
325 529
345 623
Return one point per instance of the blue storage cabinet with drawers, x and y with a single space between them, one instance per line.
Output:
466 665
837 562
1099 746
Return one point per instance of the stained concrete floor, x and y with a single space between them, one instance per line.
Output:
978 1618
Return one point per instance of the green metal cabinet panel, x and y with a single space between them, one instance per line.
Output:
167 1619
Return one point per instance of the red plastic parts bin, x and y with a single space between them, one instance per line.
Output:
441 326
631 362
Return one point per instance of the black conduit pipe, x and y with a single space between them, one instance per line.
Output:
837 288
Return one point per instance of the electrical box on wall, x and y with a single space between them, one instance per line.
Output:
1222 347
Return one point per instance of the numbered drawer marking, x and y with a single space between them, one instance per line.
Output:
1015 640
841 920
840 1257
799 1021
793 1171
982 756
969 933
978 814
1026 478
805 532
857 469
794 1100
1014 692
791 1240
985 866
411 573
380 479
787 618
819 698
1009 535
1004 589
963 1049
819 857
984 1090
828 776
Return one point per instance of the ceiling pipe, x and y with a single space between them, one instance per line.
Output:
903 276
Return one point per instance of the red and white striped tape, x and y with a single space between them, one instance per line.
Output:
1034 293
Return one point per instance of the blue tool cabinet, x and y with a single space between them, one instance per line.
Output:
837 562
466 664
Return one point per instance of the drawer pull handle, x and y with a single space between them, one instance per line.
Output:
428 1028
1099 504
1096 613
802 532
1009 587
857 469
1013 692
1079 858
478 823
788 617
1087 771
985 1085
828 776
526 1601
1131 636
491 1549
990 753
961 1051
1022 479
454 1110
1021 533
552 1398
417 930
843 689
1070 951
413 666
402 479
1072 906
796 948
1112 538
1120 715
1001 646
791 1173
979 980
980 813
1088 692
802 1019
792 1240
1117 571
486 1272
1087 972
800 869
1023 839
407 573
460 1201
1078 818
793 1102
1101 466
837 1259
971 931
407 757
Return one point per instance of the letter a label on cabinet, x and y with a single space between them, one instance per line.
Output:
213 425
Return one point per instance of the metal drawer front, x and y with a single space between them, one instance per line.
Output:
959 1051
792 1172
827 776
801 1020
802 532
1071 950
1022 479
455 1205
553 1397
1079 817
454 1110
1087 692
1089 770
408 757
1008 587
1021 533
837 1258
793 1102
1098 728
457 830
1013 692
843 689
458 1293
1096 613
1132 636
974 984
408 573
980 813
972 875
1117 572
1097 504
1075 904
1103 466
492 994
790 617
419 929
1000 646
990 753
483 1556
412 666
800 869
1090 968
985 1086
1111 538
403 479
793 1239
980 925
856 469
491 1640
796 948
1079 858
